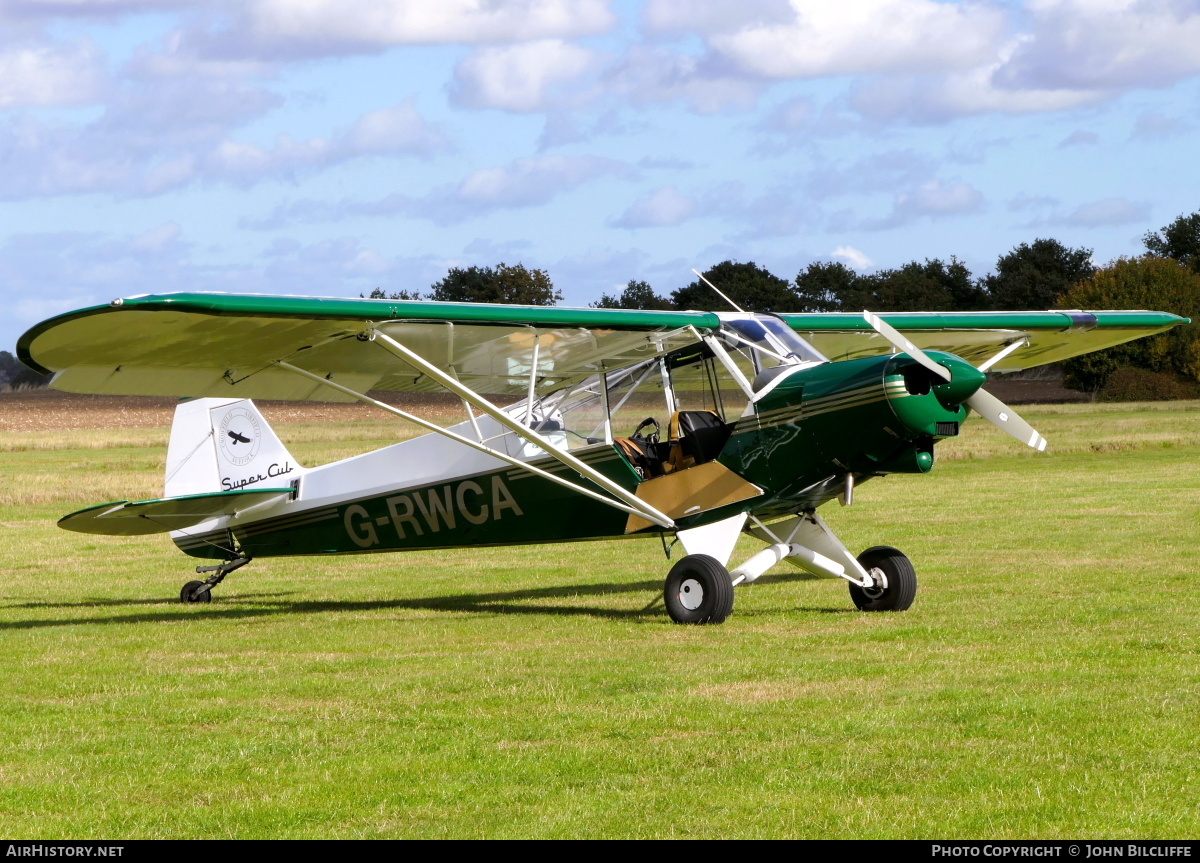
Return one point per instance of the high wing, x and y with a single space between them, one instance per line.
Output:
227 345
1044 337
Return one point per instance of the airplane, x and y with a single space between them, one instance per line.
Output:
768 417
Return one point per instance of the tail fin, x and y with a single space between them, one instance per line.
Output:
224 444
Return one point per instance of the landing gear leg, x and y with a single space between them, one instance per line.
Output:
201 591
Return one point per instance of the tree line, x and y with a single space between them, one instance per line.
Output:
1039 275
1044 274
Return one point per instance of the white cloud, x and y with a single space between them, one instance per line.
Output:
1110 211
934 200
176 57
713 16
1023 202
921 61
1080 138
90 8
399 129
527 182
660 208
525 77
328 27
523 183
396 130
779 211
158 239
924 99
50 74
867 37
648 75
1106 45
854 257
160 115
1152 126
872 173
140 146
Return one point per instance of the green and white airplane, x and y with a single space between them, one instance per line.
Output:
768 417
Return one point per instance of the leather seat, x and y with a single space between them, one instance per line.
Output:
696 437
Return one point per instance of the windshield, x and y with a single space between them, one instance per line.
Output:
772 336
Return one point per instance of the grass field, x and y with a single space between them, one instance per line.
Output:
1045 683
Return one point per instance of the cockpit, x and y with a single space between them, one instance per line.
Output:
676 409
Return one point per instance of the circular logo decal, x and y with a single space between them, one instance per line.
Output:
240 436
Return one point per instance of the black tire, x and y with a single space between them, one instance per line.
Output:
189 594
698 590
901 578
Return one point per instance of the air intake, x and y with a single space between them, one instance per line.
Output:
947 429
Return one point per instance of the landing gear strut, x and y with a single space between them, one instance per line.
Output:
201 591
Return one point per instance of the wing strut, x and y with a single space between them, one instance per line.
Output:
644 510
484 406
1008 349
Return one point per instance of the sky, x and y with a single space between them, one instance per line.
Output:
329 147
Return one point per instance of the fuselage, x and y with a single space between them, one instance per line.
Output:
817 425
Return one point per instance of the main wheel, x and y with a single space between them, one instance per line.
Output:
698 590
189 594
895 581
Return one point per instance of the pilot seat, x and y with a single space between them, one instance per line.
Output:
693 437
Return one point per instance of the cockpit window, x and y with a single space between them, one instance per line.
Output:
773 337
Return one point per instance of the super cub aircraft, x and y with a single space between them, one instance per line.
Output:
748 424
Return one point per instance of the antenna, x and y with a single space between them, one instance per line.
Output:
718 290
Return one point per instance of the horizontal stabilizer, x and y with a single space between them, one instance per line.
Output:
135 518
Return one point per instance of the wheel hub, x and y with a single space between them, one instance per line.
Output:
691 594
879 583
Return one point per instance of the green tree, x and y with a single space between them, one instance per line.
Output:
381 294
752 287
15 373
1158 284
1179 240
828 287
503 283
1035 276
636 295
922 287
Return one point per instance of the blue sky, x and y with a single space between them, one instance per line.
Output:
327 147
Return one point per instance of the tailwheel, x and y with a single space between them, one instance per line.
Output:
192 593
698 590
201 591
894 581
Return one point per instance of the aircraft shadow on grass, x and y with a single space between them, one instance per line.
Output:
270 604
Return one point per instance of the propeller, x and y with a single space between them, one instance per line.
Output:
1004 418
985 404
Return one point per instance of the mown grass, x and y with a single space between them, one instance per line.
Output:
1045 684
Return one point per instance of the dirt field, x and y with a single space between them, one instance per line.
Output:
47 409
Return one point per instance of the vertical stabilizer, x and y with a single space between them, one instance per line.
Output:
224 444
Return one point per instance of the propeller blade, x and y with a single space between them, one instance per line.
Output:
1005 418
901 343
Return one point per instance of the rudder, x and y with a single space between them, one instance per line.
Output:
224 444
